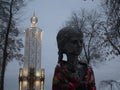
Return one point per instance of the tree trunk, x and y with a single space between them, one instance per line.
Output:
5 48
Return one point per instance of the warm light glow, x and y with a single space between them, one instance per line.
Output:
37 73
37 83
41 36
20 85
20 72
25 83
25 72
42 74
42 85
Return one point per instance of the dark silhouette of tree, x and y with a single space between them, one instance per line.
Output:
90 24
112 25
10 44
102 34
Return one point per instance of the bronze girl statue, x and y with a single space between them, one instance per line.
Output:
72 74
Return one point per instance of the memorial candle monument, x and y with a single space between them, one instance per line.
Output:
31 77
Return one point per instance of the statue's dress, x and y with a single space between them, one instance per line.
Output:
64 79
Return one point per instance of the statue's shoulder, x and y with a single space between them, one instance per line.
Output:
62 63
83 63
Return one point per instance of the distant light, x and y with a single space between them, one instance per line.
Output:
24 83
37 83
43 73
41 36
42 85
25 72
37 73
21 72
20 85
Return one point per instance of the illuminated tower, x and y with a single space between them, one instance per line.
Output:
31 77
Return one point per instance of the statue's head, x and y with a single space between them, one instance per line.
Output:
70 41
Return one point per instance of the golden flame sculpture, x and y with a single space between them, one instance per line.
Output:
31 77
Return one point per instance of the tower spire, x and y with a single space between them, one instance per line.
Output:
34 20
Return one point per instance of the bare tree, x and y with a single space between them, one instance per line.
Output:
112 24
10 45
90 25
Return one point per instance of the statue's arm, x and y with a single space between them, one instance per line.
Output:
90 79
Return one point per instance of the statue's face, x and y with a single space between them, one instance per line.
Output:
73 46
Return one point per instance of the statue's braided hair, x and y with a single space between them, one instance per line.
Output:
63 36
